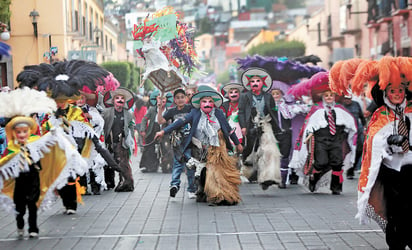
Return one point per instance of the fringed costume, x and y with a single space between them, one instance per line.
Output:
222 177
208 140
384 189
63 82
329 132
276 70
119 136
32 167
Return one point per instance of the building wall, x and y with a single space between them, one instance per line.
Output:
264 36
332 34
309 35
56 27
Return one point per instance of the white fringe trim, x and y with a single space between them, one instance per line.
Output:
75 164
378 152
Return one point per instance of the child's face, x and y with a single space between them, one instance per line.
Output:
277 94
328 97
180 100
22 134
207 104
234 95
396 95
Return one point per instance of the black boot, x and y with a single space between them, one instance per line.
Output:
293 178
336 184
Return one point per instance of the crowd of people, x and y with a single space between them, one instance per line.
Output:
70 126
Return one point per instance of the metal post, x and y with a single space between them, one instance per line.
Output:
50 52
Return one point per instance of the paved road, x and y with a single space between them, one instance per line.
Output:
148 218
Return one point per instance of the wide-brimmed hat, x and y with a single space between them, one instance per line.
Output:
155 93
128 96
225 89
18 120
206 91
284 88
20 104
251 72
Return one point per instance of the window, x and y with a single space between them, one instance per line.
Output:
76 21
84 26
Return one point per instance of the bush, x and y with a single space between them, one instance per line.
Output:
120 70
279 48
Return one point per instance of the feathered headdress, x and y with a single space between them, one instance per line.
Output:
356 74
281 70
307 59
110 83
62 79
317 84
20 104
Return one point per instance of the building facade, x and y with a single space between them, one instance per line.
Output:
44 31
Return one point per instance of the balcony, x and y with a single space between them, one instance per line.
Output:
352 31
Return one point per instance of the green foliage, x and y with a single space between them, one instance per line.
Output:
134 77
148 86
204 25
293 4
120 70
279 48
5 11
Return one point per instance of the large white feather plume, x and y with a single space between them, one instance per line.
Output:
24 102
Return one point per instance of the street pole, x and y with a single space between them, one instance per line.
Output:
50 52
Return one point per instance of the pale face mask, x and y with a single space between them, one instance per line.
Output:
207 105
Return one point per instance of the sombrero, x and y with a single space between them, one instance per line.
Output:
225 89
204 91
128 95
156 93
251 72
19 120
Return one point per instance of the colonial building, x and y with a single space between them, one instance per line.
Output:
43 31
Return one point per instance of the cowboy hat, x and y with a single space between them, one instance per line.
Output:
128 96
206 91
251 72
225 89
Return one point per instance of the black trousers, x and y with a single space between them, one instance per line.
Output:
328 155
398 194
69 195
26 194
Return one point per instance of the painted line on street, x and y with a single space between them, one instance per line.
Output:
201 234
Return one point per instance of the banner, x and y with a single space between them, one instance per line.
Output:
166 32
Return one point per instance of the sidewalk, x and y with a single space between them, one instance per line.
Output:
148 218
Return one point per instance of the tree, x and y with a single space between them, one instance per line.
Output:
120 70
204 26
279 48
5 11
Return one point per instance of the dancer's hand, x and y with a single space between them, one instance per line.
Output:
244 131
159 134
239 148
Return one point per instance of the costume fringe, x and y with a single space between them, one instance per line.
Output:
268 154
222 177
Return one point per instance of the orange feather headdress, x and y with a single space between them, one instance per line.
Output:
356 74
